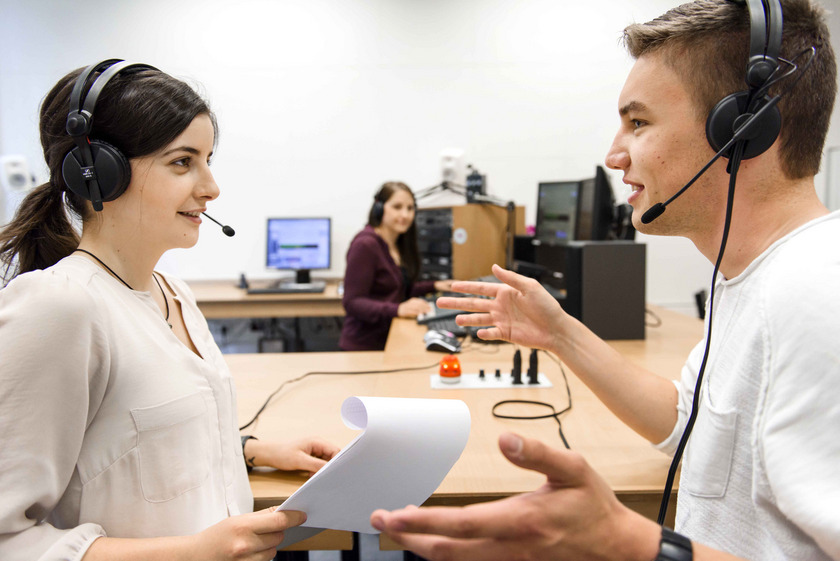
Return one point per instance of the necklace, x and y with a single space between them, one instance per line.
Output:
165 300
119 278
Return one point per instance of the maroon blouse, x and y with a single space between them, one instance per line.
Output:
374 287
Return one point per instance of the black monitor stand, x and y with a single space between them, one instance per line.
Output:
302 283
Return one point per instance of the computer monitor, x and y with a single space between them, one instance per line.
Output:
596 208
557 210
578 210
298 244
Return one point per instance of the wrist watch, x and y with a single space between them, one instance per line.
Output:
674 547
249 462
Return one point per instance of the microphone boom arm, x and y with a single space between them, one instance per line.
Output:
228 231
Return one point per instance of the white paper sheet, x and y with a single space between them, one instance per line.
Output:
406 448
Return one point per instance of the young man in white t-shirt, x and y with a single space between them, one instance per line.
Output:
759 477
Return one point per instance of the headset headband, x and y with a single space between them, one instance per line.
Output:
80 117
765 40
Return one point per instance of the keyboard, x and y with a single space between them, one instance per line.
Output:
286 287
437 314
447 324
441 314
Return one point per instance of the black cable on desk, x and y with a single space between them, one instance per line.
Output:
554 413
481 347
656 321
341 373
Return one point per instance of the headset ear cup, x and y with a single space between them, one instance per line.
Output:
721 124
377 212
71 172
113 172
112 168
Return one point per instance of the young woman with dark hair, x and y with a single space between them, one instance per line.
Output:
120 434
383 263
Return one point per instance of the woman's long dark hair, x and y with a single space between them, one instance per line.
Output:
139 113
406 243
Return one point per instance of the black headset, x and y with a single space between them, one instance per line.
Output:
735 109
377 211
95 170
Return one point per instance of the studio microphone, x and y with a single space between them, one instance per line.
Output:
229 232
742 133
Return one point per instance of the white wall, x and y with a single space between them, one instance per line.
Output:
320 101
829 178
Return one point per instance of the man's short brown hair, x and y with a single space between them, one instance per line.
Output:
706 42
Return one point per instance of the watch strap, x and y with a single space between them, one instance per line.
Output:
249 462
674 547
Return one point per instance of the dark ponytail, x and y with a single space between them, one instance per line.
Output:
139 113
40 234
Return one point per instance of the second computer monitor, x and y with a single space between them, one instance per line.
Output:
595 207
298 244
575 210
557 210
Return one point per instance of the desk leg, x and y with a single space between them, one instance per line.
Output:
298 339
292 556
352 554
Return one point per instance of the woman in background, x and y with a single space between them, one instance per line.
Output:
119 418
383 263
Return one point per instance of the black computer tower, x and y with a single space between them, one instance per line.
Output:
600 283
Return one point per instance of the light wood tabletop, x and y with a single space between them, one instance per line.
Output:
224 299
311 407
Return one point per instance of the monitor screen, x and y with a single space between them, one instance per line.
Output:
557 210
579 211
298 243
595 210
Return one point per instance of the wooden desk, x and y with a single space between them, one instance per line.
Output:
223 299
634 470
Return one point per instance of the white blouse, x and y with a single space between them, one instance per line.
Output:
109 424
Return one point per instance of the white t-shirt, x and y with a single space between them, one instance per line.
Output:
110 425
761 472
